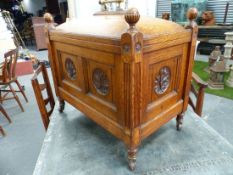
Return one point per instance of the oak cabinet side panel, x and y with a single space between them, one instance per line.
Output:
164 78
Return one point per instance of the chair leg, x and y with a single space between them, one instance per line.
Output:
16 97
5 114
2 131
1 101
200 101
21 90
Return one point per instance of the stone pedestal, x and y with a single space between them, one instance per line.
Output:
228 49
217 73
229 81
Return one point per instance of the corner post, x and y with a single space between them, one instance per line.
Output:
191 15
48 27
131 51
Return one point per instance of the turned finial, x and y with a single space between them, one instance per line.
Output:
192 15
49 22
132 16
48 18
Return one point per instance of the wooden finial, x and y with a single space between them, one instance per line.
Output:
49 22
192 15
49 25
132 16
48 18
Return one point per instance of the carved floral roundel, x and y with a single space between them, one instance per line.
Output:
100 81
162 80
70 69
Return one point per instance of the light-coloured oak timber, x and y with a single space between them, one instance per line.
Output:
160 119
130 75
102 57
108 47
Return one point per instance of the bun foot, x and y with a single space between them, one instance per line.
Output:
178 126
179 121
61 106
132 158
132 164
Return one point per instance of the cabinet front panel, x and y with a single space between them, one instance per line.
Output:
87 75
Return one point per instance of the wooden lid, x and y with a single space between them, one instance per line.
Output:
111 27
115 26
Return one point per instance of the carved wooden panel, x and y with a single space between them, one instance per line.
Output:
163 77
72 71
171 90
75 74
162 80
100 80
82 88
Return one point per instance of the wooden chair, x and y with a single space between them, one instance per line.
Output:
198 93
39 88
2 110
7 77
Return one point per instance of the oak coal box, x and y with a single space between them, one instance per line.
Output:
130 75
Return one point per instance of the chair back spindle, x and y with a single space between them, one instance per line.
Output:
9 65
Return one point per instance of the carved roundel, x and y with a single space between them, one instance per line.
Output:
126 48
138 47
100 81
70 69
162 80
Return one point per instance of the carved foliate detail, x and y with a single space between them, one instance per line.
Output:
162 80
100 81
70 69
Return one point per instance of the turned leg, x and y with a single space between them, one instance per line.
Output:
21 90
61 105
16 97
179 121
2 110
1 97
132 158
